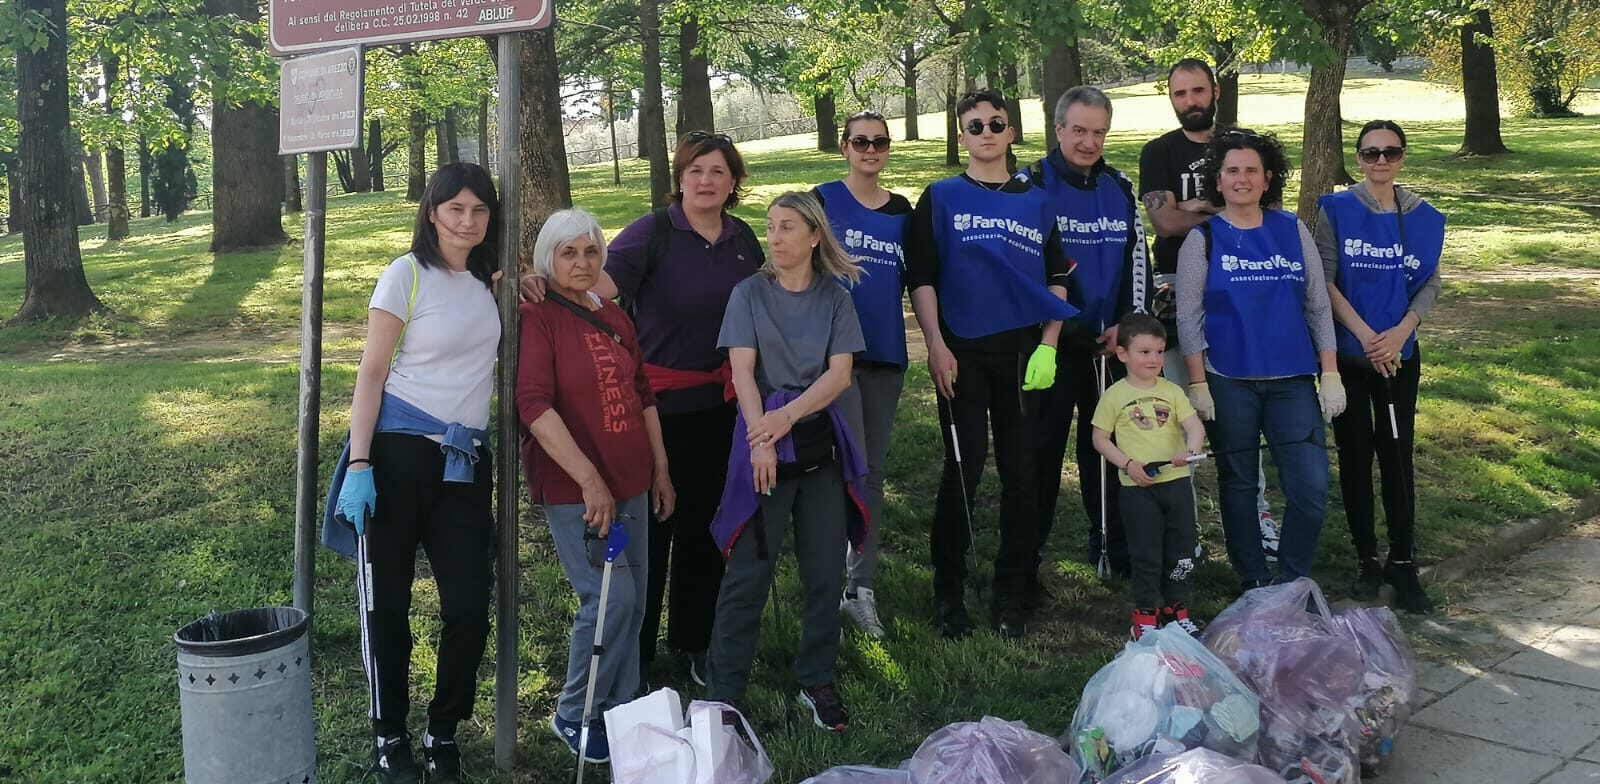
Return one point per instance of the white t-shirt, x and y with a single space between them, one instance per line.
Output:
446 361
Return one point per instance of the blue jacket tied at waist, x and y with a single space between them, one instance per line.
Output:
398 416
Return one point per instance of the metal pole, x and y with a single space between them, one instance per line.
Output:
508 476
305 486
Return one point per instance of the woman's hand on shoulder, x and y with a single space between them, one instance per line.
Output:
531 288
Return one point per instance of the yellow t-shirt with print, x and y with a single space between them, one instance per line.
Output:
1146 423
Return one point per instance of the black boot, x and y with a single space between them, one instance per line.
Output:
1408 593
1369 576
950 613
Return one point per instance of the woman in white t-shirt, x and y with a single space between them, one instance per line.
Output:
420 469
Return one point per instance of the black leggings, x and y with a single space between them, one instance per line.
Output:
454 524
1363 431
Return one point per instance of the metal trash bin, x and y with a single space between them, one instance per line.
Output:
244 682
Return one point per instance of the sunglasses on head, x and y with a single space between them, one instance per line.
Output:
976 126
1390 154
862 143
700 136
1246 135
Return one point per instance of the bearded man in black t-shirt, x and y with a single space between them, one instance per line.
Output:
1174 191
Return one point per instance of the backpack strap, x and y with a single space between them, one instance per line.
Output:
411 305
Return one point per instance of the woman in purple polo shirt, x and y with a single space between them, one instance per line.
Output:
675 269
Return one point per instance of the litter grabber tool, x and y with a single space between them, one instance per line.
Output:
961 475
1153 468
616 540
364 610
1102 568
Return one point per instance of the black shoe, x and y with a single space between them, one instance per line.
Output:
1033 595
951 616
827 709
1369 577
1010 619
443 759
697 667
393 763
1250 585
1408 593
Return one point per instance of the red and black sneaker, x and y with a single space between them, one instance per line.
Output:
827 710
1144 620
1178 614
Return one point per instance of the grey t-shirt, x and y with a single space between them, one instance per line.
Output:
793 332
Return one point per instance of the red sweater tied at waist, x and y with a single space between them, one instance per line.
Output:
665 379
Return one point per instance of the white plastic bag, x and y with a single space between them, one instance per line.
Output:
646 745
721 755
1195 765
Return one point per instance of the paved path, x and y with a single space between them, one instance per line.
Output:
1511 677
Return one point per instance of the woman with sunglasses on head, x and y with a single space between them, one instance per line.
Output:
1256 330
869 220
1380 246
673 270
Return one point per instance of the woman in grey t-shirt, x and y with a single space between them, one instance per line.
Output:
791 333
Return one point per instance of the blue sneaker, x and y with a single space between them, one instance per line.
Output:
570 733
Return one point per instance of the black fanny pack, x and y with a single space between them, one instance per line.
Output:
813 441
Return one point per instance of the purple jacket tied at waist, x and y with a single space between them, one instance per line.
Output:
740 502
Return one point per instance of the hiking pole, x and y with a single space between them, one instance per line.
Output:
1102 569
616 541
1151 469
961 476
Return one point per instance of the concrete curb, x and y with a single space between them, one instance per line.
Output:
1512 539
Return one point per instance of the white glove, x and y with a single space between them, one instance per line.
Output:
1200 398
1330 394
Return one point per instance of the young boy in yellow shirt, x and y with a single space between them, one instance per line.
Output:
1141 419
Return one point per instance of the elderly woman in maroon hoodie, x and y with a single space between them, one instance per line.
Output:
673 270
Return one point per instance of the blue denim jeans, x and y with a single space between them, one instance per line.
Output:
1284 410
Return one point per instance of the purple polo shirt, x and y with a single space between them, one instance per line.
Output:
679 305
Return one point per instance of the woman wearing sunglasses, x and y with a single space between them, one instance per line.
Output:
1380 247
1256 329
869 221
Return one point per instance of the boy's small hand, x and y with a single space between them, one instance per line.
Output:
1140 476
1181 459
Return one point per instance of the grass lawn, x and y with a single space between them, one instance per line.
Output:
150 461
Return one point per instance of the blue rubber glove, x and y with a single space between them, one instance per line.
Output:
357 498
1041 373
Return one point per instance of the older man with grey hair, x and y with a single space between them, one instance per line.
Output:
1102 232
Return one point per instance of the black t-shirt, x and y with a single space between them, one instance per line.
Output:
922 269
896 205
1171 162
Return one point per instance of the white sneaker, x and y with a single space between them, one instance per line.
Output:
1269 537
863 612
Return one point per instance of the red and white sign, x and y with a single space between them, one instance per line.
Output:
296 26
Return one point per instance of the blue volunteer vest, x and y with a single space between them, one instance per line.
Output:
874 240
1255 296
1094 235
991 252
1384 260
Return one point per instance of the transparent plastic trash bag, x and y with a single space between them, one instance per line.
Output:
1195 766
991 750
1389 682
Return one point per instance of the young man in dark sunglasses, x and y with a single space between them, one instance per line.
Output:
1102 231
988 284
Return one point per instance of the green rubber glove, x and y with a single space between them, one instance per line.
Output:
1041 373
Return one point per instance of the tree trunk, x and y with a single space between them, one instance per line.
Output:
116 162
360 170
291 184
81 204
452 134
145 168
695 111
417 168
375 152
826 107
546 183
1227 83
171 177
1322 146
1063 70
652 116
483 133
14 194
97 184
611 126
246 170
952 147
1011 86
1480 88
909 65
55 286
